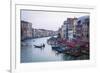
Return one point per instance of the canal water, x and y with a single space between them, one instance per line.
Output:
31 54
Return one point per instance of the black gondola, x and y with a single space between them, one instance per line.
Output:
38 46
41 46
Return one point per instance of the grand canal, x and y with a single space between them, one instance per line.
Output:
29 53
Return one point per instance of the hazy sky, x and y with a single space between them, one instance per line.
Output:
47 20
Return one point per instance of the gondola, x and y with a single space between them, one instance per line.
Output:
39 46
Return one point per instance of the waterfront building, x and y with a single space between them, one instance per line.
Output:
82 28
67 30
26 30
70 26
85 30
65 26
59 33
78 33
64 31
74 25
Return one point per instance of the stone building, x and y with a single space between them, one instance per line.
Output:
82 28
26 30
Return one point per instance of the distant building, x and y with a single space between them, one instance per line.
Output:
38 33
26 30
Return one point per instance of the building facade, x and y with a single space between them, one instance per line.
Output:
82 29
75 28
26 30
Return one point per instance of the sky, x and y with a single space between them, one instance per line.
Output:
47 20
